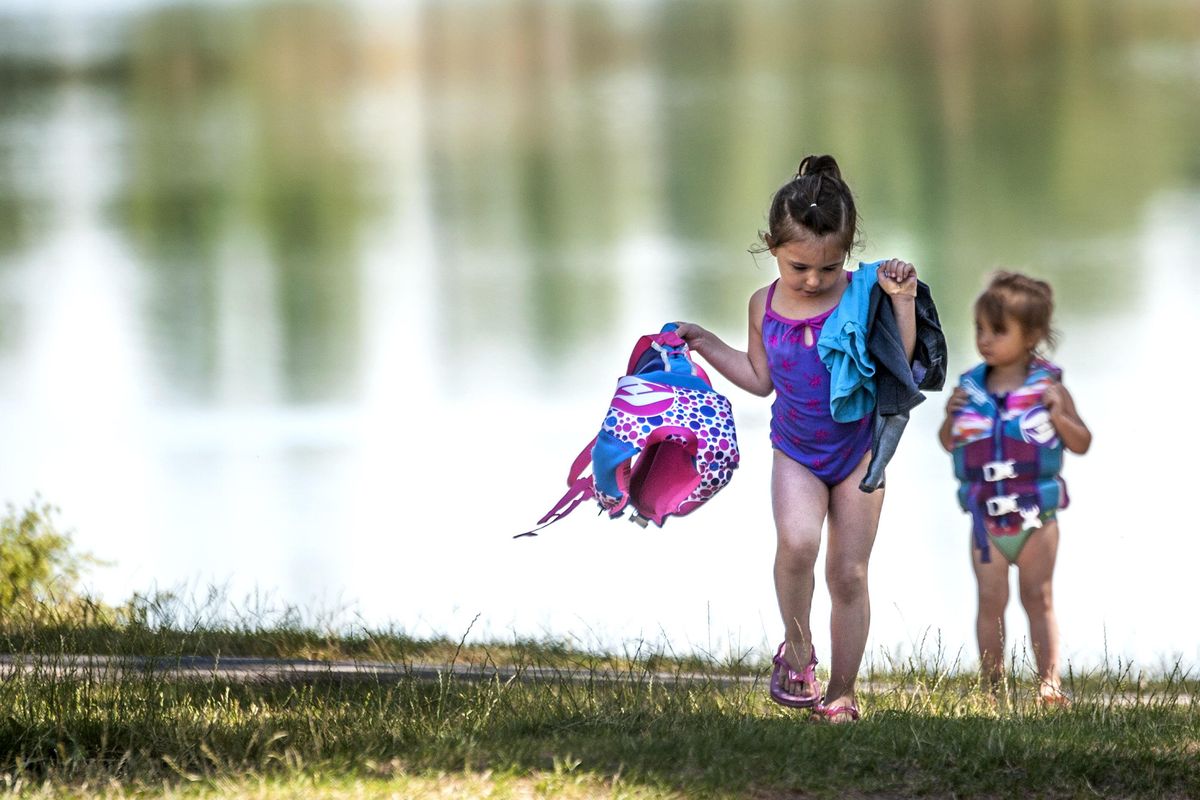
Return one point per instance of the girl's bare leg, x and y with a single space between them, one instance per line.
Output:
853 522
799 500
1035 573
992 579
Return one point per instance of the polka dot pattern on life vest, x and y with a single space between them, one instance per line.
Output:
705 416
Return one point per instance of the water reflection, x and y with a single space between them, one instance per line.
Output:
323 299
242 170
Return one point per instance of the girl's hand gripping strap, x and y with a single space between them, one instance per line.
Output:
579 489
673 351
672 355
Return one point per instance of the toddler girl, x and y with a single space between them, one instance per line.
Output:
1007 424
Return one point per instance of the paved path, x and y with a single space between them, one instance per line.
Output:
274 670
240 668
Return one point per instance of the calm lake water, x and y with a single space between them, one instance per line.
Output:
317 305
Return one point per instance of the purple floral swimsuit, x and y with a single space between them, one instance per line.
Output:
802 426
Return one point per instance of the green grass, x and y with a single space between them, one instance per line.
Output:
927 730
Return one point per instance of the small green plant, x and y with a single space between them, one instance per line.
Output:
39 567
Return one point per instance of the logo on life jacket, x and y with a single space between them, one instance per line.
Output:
641 397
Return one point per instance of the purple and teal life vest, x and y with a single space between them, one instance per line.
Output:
666 446
1007 456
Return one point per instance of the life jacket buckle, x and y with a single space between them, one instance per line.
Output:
638 519
1031 518
999 470
1002 504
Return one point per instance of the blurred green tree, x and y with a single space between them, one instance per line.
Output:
39 566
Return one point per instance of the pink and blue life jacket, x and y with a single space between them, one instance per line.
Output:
667 443
1007 455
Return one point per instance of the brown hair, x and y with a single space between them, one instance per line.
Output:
1027 300
816 200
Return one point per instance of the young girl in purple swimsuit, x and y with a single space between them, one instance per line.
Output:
818 462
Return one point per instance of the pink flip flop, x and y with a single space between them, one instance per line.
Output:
808 677
824 713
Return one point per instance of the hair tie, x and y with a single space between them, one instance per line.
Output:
812 205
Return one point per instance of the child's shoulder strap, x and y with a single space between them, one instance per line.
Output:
1043 369
974 382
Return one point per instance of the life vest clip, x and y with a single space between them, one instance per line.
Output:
639 519
999 470
1002 504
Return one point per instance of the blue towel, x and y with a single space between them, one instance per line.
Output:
843 349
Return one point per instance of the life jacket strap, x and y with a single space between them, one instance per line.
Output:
1007 469
674 356
581 461
579 488
578 492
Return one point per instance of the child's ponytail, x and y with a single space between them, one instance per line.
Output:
817 201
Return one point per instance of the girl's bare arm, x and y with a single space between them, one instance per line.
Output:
899 280
1071 429
747 369
958 399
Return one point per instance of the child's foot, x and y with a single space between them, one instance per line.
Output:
790 687
840 711
992 691
1052 697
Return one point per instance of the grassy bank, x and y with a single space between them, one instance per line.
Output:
927 731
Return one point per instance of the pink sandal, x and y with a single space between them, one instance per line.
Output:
808 677
824 713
